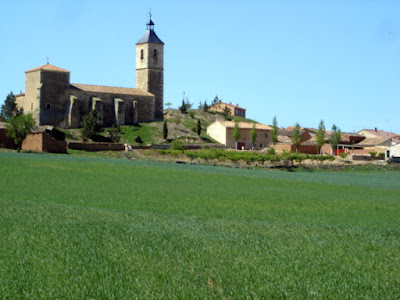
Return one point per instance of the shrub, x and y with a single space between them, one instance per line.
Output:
381 155
372 153
114 133
91 125
138 140
191 114
343 155
271 151
177 145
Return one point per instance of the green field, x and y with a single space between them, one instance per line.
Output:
85 227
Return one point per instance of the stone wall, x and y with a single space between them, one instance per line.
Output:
84 100
96 146
150 73
43 142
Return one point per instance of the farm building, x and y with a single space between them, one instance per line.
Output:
222 131
45 139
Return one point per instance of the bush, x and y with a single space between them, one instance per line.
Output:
177 145
271 151
343 155
372 153
138 140
191 114
381 155
91 125
114 133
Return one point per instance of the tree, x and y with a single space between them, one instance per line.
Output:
168 104
320 136
198 127
296 137
274 132
165 130
91 125
253 135
200 105
9 108
334 140
205 106
18 128
115 133
216 100
227 110
236 133
183 107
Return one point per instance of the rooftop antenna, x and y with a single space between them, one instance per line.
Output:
47 59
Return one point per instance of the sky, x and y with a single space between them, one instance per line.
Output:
301 61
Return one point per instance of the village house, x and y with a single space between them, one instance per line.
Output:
221 131
228 108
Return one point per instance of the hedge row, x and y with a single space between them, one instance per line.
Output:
248 157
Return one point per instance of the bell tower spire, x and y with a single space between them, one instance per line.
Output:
150 67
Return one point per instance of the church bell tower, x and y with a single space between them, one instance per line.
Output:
150 67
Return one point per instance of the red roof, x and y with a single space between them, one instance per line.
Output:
48 67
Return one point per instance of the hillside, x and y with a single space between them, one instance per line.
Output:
180 126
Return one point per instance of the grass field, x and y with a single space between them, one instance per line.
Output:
85 227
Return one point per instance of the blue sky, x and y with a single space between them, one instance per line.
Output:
302 61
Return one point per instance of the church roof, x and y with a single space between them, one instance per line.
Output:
48 67
150 37
110 90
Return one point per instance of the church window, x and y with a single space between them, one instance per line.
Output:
155 53
48 105
141 54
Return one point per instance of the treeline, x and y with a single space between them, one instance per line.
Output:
248 157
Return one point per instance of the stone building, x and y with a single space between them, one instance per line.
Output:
222 131
228 108
53 100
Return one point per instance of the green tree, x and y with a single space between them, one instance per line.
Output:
253 135
320 136
91 125
296 137
198 127
274 131
334 139
216 100
205 106
115 133
168 104
9 108
236 133
227 110
165 130
18 127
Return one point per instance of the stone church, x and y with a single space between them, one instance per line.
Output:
53 100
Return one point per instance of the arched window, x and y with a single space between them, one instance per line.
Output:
155 53
141 54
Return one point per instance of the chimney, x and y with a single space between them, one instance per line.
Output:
237 105
376 130
230 103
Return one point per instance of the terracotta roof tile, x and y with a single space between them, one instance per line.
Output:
110 90
48 67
